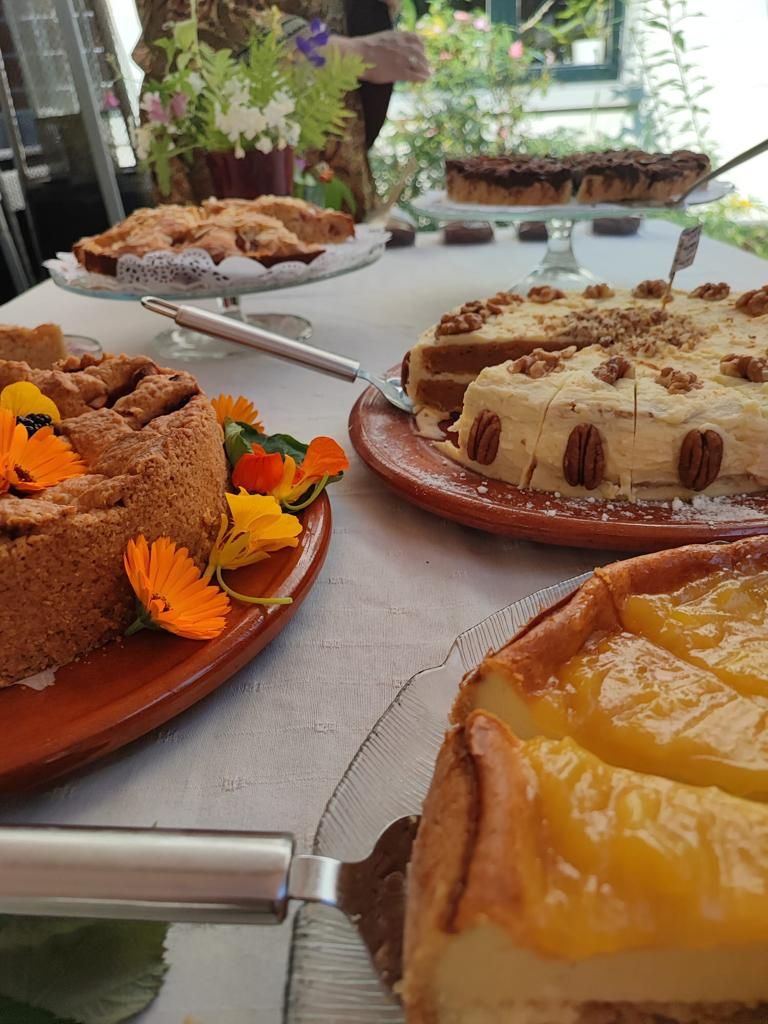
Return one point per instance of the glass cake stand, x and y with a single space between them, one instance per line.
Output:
559 266
178 344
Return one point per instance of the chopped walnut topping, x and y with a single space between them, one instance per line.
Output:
713 292
539 363
755 302
638 331
475 306
459 323
651 289
678 382
499 301
749 367
544 293
598 291
612 369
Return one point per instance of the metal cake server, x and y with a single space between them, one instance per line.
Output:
210 877
284 348
736 161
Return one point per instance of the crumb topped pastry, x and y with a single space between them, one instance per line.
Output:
39 346
548 887
656 663
604 393
268 230
517 179
154 464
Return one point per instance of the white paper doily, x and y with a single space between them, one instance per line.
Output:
194 274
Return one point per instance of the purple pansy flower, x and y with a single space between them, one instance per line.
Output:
311 44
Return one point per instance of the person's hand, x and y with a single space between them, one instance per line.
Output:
391 56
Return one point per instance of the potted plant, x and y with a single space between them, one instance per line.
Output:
582 26
246 114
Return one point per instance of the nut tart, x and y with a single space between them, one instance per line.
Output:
518 179
658 664
268 230
547 887
154 465
641 400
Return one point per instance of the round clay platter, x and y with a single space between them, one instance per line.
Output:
128 687
386 439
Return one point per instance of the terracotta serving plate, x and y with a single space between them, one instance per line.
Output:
387 441
125 689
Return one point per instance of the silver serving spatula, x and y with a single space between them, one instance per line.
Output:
740 158
275 344
210 877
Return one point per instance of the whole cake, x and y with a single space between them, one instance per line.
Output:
154 464
609 394
268 230
517 179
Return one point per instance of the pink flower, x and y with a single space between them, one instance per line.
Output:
462 16
482 24
178 105
516 50
110 102
444 55
153 105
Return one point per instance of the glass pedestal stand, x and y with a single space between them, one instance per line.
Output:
559 267
178 344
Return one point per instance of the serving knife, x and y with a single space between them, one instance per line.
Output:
284 348
740 158
209 877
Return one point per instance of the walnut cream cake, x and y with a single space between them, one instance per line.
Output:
268 230
605 394
657 663
39 347
548 887
518 179
155 465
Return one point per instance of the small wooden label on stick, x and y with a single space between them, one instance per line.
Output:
685 254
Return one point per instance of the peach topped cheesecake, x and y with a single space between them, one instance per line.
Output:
658 664
548 887
604 394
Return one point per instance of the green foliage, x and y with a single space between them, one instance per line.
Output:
581 19
735 220
269 97
78 972
475 101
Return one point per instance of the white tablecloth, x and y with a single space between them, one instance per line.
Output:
266 750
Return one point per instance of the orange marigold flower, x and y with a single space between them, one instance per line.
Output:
239 409
324 456
30 464
171 591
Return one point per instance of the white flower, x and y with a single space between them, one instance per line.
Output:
292 133
143 141
238 121
265 145
196 82
149 100
278 108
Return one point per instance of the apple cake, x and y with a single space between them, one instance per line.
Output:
39 347
605 394
657 663
519 179
548 887
155 465
268 230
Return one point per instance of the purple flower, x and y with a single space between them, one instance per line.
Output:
304 45
311 44
178 105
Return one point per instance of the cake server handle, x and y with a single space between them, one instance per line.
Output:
254 337
729 165
146 874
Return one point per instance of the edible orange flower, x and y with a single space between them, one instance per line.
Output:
30 464
172 594
259 527
239 409
258 472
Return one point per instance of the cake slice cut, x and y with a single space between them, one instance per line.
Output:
586 442
659 664
547 887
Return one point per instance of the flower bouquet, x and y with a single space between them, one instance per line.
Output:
249 110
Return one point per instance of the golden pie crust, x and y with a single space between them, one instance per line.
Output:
156 466
268 230
39 347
